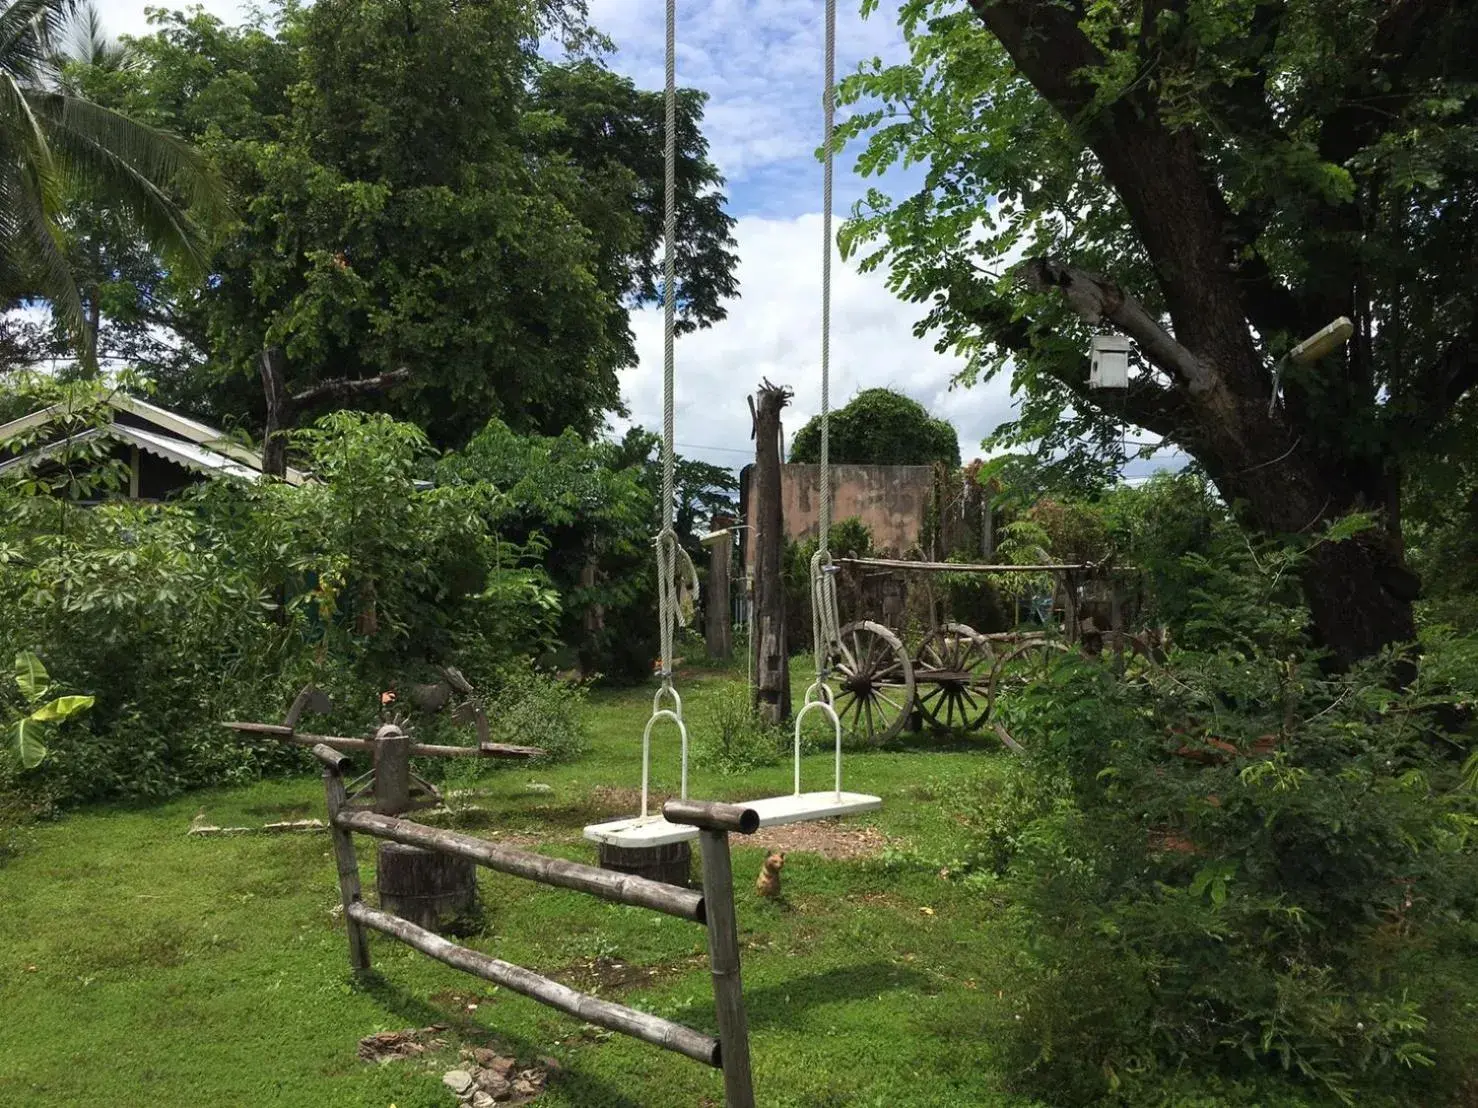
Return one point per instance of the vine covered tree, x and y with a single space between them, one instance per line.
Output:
1219 180
880 427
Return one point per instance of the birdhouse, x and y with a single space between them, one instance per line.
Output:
1108 365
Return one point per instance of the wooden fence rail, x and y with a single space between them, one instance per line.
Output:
714 908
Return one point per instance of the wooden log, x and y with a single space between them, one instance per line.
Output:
668 864
392 771
968 567
723 957
348 864
769 652
619 887
602 1013
718 628
345 743
433 890
710 815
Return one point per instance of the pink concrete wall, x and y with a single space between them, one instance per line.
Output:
890 500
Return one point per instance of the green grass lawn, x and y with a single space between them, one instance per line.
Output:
141 967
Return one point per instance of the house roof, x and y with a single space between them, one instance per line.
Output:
185 441
182 453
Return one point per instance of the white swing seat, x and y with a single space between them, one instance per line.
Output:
637 832
801 807
774 811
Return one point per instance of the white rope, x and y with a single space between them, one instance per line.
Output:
825 622
668 548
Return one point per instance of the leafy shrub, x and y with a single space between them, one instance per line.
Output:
534 708
1239 878
732 739
222 604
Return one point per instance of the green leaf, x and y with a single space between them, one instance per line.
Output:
31 676
25 741
61 708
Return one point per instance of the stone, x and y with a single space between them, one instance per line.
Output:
483 1100
458 1081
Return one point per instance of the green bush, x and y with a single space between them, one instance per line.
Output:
222 604
731 739
534 708
1238 878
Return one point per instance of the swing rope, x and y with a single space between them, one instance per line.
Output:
674 567
825 622
672 559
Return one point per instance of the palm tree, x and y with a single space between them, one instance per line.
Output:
55 142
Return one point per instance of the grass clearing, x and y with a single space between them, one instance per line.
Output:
138 966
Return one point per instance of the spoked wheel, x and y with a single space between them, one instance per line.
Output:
953 668
1026 664
875 677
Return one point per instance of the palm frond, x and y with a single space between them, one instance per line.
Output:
19 122
29 31
156 154
34 263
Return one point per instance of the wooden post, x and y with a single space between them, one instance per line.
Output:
435 891
718 623
392 771
768 647
723 956
348 864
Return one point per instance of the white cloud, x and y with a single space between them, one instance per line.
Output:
760 61
126 17
773 331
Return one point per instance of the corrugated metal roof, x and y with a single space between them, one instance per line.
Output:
190 455
213 441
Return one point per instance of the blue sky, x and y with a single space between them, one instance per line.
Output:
760 61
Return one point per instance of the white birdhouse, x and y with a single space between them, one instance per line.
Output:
1108 365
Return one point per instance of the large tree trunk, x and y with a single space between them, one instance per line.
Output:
771 657
1286 470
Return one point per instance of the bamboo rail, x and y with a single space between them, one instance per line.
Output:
343 742
602 1013
713 907
623 888
967 567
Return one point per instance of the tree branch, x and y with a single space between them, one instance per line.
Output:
1162 411
1439 387
342 388
1095 298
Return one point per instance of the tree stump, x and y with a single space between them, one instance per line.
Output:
434 891
671 863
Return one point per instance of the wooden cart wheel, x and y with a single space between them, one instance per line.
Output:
1026 664
953 671
876 690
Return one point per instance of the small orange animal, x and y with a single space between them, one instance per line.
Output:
768 882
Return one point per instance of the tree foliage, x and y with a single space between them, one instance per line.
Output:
880 427
1218 180
420 190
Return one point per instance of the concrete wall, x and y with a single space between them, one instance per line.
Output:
890 500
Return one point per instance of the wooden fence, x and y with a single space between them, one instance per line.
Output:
713 907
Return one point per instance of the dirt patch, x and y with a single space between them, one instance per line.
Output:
392 1046
830 839
605 975
621 802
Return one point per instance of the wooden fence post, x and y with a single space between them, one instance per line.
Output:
348 864
723 956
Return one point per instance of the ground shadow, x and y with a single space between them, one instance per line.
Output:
781 1005
416 1011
